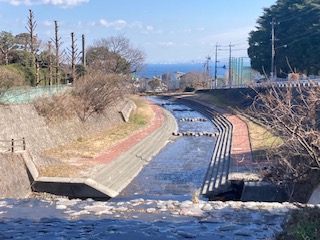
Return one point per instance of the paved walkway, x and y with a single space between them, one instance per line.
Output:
241 147
116 150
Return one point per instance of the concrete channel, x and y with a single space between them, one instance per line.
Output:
110 181
217 184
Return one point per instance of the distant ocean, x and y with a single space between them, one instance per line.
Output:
151 70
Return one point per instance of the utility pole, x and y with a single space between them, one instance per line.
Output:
83 51
73 53
230 67
207 73
216 66
50 62
273 49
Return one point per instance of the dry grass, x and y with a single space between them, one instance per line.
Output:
95 144
62 170
261 139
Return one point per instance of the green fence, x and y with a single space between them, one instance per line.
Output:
28 94
240 72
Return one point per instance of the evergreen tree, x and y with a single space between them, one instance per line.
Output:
297 38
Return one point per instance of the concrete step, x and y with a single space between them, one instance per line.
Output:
216 178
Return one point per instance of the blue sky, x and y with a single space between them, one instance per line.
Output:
166 30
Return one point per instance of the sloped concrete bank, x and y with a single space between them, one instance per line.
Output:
19 121
113 178
14 179
19 169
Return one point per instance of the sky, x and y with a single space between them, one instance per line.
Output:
167 31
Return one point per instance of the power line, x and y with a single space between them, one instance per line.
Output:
295 15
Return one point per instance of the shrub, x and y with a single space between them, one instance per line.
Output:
8 79
302 224
189 89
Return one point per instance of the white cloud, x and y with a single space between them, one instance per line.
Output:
68 3
117 25
166 44
149 28
136 25
17 2
48 23
61 3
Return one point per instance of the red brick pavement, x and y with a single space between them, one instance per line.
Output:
241 153
241 147
126 144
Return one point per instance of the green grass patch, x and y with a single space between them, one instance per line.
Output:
303 224
28 73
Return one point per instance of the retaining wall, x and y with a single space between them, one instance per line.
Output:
22 120
14 179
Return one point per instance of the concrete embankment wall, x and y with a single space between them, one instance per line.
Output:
14 179
19 121
22 121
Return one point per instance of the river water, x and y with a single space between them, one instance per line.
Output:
158 204
178 170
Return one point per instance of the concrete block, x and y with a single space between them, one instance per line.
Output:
263 192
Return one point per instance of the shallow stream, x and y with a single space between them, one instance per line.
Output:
156 205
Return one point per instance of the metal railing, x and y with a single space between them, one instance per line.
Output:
13 145
283 83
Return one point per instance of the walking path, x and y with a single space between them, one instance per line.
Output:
123 146
115 169
241 147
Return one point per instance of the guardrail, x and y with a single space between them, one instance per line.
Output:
298 83
13 145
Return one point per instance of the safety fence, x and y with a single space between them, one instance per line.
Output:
13 145
29 94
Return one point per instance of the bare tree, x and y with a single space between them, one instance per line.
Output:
73 57
293 114
115 55
34 44
94 92
7 43
31 26
57 43
196 80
